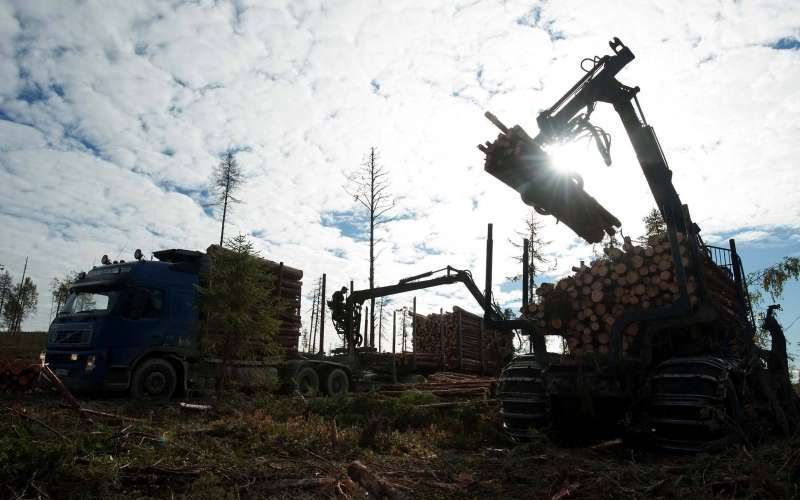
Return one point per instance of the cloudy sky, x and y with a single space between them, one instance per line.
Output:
113 115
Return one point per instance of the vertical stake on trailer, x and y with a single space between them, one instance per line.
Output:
482 347
488 289
394 345
403 346
414 336
350 347
441 336
366 327
380 327
322 317
460 343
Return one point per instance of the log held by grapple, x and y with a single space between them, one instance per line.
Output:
520 162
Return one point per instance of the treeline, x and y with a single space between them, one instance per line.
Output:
17 300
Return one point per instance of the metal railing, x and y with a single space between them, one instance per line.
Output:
722 257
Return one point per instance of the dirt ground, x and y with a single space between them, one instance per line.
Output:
261 446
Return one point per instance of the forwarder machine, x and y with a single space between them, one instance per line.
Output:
700 378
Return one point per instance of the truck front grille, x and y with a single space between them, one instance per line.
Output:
70 338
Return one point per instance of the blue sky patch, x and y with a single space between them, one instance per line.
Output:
786 43
351 224
32 93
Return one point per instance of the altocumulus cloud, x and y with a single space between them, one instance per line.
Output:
113 114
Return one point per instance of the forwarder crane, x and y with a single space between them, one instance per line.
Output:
346 314
675 394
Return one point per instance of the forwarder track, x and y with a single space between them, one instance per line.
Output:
693 404
521 391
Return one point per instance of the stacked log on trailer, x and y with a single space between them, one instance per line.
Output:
288 289
285 283
584 306
457 341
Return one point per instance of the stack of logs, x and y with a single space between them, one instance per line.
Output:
457 341
583 307
449 386
286 285
288 288
18 375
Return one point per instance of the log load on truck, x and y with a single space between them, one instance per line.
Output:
661 336
137 326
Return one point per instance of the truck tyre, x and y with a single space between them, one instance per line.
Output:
154 379
337 383
307 381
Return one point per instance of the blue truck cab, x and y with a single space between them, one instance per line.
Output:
130 325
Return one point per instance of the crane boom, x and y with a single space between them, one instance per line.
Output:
347 322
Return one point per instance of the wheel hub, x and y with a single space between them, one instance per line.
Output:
155 382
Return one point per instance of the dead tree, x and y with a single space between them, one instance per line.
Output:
537 262
369 186
227 180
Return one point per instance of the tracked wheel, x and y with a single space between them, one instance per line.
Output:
521 391
693 405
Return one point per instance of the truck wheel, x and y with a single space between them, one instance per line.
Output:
307 382
154 379
337 383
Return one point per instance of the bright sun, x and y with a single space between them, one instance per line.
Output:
575 157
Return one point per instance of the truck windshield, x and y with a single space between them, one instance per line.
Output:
89 302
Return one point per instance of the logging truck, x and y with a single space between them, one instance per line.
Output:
660 334
137 326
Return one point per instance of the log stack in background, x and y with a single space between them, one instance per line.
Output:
436 340
583 307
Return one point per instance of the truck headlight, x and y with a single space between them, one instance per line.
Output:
73 357
90 363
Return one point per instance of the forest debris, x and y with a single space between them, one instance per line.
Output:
373 483
566 491
35 420
195 407
65 393
301 484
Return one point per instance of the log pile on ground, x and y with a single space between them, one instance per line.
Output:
18 375
448 386
584 306
457 341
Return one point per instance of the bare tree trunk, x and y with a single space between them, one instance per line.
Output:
380 327
372 247
21 301
224 210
